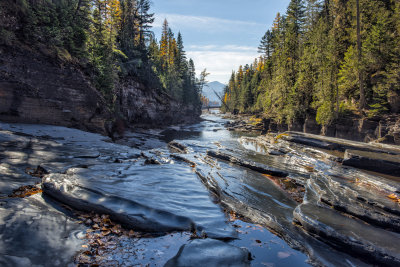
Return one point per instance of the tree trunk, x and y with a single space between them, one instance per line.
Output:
360 74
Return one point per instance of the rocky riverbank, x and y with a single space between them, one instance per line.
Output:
38 87
380 130
284 198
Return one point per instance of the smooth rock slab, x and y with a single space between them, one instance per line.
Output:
364 202
12 178
34 233
372 244
152 198
129 213
209 252
255 166
330 143
377 162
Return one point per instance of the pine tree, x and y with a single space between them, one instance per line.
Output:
164 45
145 19
265 46
110 38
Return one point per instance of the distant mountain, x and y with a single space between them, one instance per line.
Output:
209 88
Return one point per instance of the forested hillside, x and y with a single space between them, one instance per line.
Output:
324 59
110 40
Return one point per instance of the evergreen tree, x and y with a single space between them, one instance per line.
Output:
312 66
265 46
145 19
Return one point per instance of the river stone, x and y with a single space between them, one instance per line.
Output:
255 166
177 147
373 244
35 233
209 252
151 198
377 162
378 210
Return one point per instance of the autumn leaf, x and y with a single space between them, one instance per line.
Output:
394 197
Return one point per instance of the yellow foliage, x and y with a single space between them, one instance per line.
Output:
255 120
63 54
394 197
279 136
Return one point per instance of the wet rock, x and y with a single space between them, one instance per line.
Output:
38 172
177 157
261 168
377 162
208 252
177 147
243 123
311 141
376 210
152 198
129 213
149 160
152 161
265 144
13 178
347 234
330 143
34 233
88 155
275 152
257 199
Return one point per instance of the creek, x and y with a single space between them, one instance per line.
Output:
198 195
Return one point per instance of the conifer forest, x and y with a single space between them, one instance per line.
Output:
325 60
133 133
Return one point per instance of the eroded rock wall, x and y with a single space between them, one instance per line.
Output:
144 106
385 129
38 88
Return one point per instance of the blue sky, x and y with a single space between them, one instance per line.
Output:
219 35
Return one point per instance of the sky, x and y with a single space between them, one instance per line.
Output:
219 35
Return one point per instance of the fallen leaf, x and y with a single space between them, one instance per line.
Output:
394 197
87 252
105 233
131 233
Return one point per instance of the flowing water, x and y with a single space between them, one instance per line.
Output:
182 195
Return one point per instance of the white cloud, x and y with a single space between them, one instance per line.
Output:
221 60
222 48
217 57
211 24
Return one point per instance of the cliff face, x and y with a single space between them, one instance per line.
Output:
142 106
35 88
